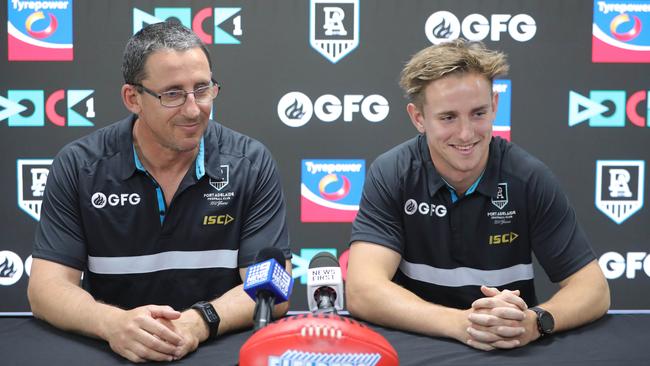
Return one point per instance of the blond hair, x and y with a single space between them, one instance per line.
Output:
438 61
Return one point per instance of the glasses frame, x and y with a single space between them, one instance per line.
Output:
159 96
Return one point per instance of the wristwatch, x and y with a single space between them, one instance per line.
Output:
210 317
545 321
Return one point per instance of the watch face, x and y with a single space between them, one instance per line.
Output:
545 321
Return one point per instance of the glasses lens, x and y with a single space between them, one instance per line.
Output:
172 98
205 94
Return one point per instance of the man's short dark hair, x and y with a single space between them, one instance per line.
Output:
168 35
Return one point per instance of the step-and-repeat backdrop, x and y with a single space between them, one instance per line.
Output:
316 82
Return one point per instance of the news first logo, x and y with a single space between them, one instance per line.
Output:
295 109
619 188
620 31
295 358
443 26
12 267
615 265
608 108
32 176
330 190
226 22
28 108
501 126
39 30
334 27
300 263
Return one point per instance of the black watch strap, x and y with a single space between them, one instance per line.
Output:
210 317
545 321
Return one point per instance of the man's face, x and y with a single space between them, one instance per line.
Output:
457 118
177 128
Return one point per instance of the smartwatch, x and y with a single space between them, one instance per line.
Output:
210 317
545 321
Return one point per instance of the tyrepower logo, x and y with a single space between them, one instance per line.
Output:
608 108
615 265
330 190
28 108
100 200
295 109
226 24
443 26
412 207
501 126
620 31
39 30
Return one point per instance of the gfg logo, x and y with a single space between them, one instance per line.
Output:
99 200
443 26
614 265
295 109
427 209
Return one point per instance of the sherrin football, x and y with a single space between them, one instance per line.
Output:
324 339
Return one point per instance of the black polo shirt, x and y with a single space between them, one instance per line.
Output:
450 246
104 215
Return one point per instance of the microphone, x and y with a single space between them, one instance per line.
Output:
324 284
268 283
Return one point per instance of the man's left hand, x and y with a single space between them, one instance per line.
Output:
500 320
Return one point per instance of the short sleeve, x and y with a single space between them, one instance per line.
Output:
265 222
558 241
379 220
59 235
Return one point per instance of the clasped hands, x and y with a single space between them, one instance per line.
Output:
153 333
499 320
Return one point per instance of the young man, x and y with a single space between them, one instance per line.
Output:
162 212
448 221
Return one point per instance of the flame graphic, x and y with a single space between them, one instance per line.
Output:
442 30
294 111
7 269
410 206
99 200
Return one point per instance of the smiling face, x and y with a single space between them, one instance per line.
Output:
179 128
456 118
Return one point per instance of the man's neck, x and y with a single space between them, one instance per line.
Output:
158 159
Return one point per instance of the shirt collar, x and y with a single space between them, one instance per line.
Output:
131 162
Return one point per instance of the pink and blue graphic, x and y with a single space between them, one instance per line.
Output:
330 190
501 126
621 31
39 30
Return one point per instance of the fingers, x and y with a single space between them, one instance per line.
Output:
164 331
489 291
166 312
504 298
479 345
489 320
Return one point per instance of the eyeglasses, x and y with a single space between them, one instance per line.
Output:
175 98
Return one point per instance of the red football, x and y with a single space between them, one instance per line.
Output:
317 339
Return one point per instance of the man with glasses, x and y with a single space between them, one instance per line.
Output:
162 212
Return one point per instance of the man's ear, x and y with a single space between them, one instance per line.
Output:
417 117
131 98
495 103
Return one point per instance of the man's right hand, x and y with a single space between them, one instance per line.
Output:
144 334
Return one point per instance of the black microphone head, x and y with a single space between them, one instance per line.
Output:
323 259
268 253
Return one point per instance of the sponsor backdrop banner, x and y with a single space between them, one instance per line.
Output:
317 82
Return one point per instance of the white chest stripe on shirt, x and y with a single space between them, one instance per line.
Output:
465 276
162 261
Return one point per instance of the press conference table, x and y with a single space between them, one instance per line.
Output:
614 340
